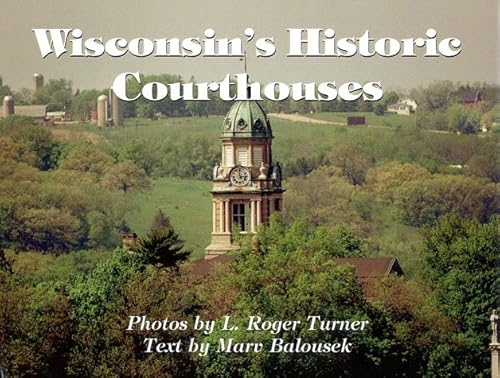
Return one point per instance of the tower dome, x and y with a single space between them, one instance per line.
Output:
246 119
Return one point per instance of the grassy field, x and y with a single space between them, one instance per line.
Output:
186 202
301 138
211 126
166 127
388 120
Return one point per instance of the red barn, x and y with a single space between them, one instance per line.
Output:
471 98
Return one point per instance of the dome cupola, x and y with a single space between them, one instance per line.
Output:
246 119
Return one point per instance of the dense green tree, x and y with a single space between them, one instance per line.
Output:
483 165
6 216
140 152
384 180
5 91
15 120
89 296
379 109
125 176
455 149
353 161
83 103
46 229
435 96
35 328
463 119
487 120
56 94
422 202
390 98
303 165
457 117
293 277
58 210
101 231
87 158
435 120
421 329
40 142
102 303
8 149
459 264
23 97
324 199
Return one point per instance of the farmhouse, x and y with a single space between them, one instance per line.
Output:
404 107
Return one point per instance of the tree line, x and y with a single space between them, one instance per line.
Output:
433 325
440 104
58 196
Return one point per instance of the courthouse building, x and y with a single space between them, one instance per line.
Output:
246 182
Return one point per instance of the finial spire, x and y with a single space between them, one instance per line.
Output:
244 59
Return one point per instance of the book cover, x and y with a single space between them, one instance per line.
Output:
249 188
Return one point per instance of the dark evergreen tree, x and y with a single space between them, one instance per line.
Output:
160 220
162 247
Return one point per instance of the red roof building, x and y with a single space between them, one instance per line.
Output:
366 268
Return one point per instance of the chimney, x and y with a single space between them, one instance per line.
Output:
128 240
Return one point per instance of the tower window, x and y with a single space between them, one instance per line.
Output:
228 154
241 212
257 156
242 156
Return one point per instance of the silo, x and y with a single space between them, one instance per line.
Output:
102 110
8 106
116 108
38 80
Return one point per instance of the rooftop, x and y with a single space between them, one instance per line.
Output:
35 111
366 268
246 119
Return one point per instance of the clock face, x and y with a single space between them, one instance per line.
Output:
240 176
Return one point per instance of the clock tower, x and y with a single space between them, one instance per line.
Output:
246 183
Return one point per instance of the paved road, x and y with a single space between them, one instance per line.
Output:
304 119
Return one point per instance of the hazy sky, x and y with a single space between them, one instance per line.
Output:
475 23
